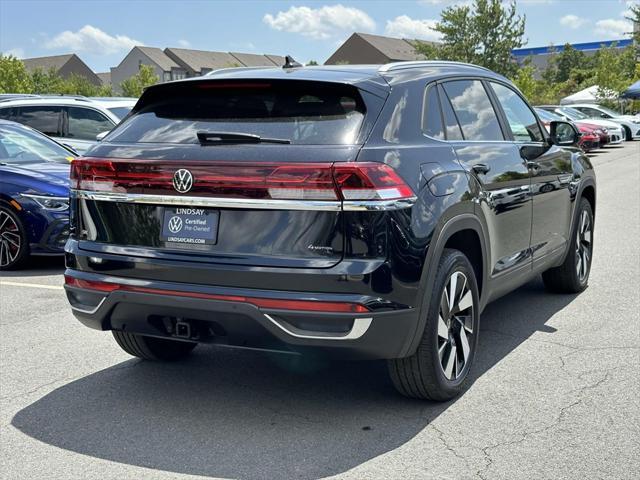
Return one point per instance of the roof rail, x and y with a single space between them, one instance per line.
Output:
393 66
226 69
31 96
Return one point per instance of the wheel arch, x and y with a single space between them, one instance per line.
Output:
463 232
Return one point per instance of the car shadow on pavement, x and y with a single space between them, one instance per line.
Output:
37 267
246 415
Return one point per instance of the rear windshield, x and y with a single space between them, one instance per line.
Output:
307 113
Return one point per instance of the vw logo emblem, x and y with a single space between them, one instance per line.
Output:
175 224
182 180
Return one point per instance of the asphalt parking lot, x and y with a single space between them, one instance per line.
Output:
556 390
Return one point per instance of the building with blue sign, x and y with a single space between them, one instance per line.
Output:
540 56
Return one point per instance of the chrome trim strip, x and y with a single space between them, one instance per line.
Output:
377 205
89 312
360 327
266 204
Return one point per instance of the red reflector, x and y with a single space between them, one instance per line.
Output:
285 181
269 303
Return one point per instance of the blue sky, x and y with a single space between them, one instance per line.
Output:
102 32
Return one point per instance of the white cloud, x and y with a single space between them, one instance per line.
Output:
92 40
321 23
613 28
407 27
15 52
184 43
573 21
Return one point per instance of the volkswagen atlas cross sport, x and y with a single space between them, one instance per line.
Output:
366 211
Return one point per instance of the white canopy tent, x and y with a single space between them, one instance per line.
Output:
588 95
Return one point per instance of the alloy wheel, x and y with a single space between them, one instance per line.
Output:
455 326
10 239
583 246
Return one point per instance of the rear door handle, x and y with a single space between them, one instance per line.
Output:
480 168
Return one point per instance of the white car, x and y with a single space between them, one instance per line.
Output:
614 130
630 123
74 121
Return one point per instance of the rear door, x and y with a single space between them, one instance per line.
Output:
491 157
45 118
232 172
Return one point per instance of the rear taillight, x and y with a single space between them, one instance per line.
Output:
290 181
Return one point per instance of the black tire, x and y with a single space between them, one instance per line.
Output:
17 255
571 277
152 348
422 375
627 133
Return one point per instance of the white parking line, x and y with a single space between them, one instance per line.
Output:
32 285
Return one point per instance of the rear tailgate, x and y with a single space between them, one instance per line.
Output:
154 188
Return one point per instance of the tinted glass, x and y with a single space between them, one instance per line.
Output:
308 113
547 116
120 112
473 109
432 120
593 113
452 127
43 118
5 113
572 113
19 145
522 121
85 124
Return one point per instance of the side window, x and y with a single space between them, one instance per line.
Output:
452 128
592 112
522 121
85 124
473 109
431 118
43 118
5 113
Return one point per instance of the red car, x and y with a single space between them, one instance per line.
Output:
590 140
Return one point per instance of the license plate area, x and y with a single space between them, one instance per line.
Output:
189 226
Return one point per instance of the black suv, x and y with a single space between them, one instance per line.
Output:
364 211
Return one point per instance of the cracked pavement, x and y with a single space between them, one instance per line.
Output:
556 390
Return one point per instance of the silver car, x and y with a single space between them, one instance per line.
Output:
74 121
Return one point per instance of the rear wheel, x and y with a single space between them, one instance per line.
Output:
14 248
439 368
573 275
152 348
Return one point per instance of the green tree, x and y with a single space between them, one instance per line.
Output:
634 17
46 81
135 85
483 33
614 70
311 63
526 82
567 63
14 78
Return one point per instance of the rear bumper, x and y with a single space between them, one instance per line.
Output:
375 334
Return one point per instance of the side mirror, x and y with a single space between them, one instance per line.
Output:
101 135
564 133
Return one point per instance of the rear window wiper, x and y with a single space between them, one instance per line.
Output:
220 138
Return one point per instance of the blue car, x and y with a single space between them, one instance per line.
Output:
34 194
